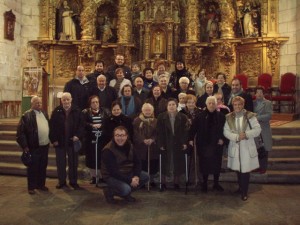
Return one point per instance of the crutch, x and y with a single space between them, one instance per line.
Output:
97 134
148 167
195 159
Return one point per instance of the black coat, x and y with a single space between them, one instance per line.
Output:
27 131
208 129
201 101
226 89
79 92
248 102
142 96
109 93
57 125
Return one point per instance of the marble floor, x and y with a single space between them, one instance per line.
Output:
267 205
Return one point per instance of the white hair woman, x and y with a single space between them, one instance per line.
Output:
144 139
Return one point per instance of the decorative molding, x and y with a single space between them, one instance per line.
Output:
86 50
273 53
43 53
226 53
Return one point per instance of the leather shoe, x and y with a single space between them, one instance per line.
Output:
129 198
244 197
60 186
93 180
44 188
75 186
31 192
218 187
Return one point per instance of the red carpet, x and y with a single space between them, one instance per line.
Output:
277 123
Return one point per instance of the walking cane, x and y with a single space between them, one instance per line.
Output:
186 173
97 134
160 185
195 159
149 167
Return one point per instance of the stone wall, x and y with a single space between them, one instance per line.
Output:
13 53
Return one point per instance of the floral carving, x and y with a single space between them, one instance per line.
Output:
273 53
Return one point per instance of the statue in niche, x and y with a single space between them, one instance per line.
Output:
107 30
212 28
68 21
69 27
250 20
158 42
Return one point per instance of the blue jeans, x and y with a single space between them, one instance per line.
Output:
123 189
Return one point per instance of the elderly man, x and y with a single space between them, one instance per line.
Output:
105 93
237 90
121 168
33 137
78 87
139 90
66 130
119 63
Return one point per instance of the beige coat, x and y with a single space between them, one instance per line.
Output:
242 155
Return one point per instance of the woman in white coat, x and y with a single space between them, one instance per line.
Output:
242 152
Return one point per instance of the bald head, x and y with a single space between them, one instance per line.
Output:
36 103
80 72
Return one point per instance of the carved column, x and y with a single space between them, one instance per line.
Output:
192 21
124 22
147 41
87 20
273 54
45 15
269 18
170 38
226 53
43 53
227 19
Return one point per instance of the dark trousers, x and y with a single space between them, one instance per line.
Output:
61 163
263 163
243 181
36 172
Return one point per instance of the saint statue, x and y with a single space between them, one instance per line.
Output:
68 24
107 32
158 48
250 19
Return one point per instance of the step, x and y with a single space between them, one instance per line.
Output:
9 125
285 130
9 146
271 176
284 163
293 140
8 135
20 169
14 157
285 152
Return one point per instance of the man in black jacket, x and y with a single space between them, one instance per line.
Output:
33 137
121 168
92 77
119 63
66 130
237 90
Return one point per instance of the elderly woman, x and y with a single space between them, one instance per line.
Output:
120 81
116 119
184 83
161 71
201 101
200 81
181 101
191 110
208 128
144 139
94 117
149 83
159 103
131 105
263 110
180 71
220 104
241 128
172 137
222 87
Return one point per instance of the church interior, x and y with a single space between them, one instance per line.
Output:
258 41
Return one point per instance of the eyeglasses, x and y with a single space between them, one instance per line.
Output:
120 135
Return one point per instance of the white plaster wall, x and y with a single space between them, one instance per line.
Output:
13 53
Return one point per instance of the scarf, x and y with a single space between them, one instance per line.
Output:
129 108
146 120
118 84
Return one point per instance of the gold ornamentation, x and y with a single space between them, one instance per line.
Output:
273 53
228 19
124 22
250 62
43 53
65 64
88 19
86 49
193 57
226 53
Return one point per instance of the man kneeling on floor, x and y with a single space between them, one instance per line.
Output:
121 168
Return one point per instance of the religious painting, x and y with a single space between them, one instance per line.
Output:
32 81
9 25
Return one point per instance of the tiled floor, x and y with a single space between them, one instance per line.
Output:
267 204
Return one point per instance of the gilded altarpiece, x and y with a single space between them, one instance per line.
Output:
233 36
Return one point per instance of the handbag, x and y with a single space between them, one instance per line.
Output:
259 142
26 158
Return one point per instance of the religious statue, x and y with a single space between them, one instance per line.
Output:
212 28
68 24
158 43
250 21
107 32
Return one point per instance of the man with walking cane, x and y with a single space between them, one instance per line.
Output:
66 130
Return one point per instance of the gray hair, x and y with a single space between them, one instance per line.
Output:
101 76
145 105
211 98
35 97
66 94
184 79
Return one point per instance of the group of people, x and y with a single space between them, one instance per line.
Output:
125 119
